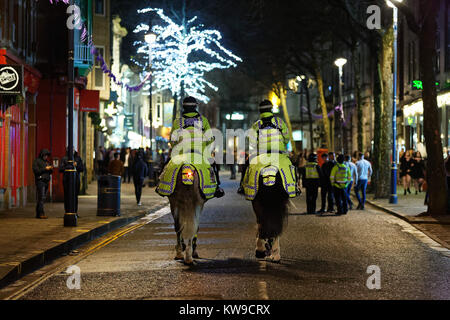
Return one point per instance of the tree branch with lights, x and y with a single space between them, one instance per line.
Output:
182 55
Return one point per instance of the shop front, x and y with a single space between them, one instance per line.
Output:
413 124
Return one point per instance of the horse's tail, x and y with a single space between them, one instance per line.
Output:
271 207
187 204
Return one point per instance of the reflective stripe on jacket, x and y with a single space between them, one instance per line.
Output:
340 176
311 171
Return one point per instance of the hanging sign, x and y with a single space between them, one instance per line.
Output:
11 79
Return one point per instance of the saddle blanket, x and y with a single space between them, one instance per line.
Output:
268 165
168 178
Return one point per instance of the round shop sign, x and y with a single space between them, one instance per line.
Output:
9 78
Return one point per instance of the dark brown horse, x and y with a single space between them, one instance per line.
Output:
271 210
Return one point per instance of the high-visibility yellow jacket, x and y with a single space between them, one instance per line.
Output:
269 134
191 134
340 176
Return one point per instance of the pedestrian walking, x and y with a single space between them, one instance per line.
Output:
115 167
127 165
364 171
340 178
326 187
99 160
353 179
140 172
311 177
406 168
42 174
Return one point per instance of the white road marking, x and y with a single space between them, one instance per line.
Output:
262 290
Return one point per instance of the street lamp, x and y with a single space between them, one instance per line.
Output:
70 172
393 198
340 64
150 38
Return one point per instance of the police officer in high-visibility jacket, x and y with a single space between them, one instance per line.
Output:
312 175
270 134
340 178
199 136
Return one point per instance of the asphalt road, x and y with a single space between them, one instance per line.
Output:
322 258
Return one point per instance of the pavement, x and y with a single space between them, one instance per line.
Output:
409 207
27 243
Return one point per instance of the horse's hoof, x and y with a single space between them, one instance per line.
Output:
195 255
189 263
260 254
179 258
273 259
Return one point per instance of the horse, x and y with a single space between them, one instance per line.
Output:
271 209
186 206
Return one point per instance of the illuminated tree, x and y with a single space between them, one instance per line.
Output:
182 55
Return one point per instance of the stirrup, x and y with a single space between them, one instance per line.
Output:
219 193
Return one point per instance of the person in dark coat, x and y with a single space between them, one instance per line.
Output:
42 174
326 188
140 171
115 167
79 166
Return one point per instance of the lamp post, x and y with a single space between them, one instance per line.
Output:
69 179
393 198
340 64
150 38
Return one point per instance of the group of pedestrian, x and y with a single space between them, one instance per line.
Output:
412 170
335 178
132 164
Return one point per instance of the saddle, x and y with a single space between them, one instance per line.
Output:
168 178
268 166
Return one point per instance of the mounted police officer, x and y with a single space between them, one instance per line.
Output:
312 176
340 178
192 122
270 133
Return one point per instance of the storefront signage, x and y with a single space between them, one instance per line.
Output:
418 84
129 121
11 79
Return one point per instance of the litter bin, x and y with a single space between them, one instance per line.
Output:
108 199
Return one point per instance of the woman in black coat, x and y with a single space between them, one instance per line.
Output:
406 168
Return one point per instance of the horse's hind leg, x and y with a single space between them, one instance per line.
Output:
194 247
179 247
275 255
260 251
188 254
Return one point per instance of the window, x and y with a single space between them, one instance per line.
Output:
98 72
100 7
